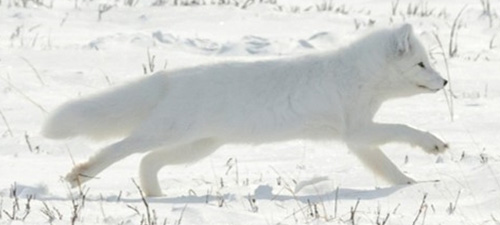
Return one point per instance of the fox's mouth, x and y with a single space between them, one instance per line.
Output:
428 88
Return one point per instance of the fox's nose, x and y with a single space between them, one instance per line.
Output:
445 82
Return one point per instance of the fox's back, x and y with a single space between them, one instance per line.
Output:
261 95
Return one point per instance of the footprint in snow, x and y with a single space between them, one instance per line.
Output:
164 38
205 45
255 44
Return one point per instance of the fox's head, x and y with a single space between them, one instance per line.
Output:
410 71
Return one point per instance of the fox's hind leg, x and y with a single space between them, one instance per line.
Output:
377 161
104 158
157 159
107 156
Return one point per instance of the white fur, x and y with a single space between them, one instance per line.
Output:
184 115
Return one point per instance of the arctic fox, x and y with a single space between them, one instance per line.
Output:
184 115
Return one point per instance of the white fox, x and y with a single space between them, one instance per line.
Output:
184 115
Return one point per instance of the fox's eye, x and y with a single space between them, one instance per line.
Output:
421 64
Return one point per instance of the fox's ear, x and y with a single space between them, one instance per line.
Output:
403 39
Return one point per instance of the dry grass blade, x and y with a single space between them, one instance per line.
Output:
353 212
182 215
336 202
24 95
453 46
492 45
149 218
28 142
421 209
394 5
449 100
34 70
6 124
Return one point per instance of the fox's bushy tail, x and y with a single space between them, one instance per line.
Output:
114 113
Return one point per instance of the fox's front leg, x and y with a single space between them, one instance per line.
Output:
430 143
78 175
378 134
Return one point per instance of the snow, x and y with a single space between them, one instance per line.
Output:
51 55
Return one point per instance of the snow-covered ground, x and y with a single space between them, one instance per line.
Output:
49 55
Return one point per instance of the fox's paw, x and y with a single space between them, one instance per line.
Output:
409 181
431 144
403 180
77 175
